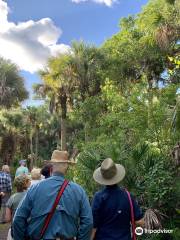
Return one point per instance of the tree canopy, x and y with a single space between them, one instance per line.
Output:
12 89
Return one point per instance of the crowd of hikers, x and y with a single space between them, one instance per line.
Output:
47 206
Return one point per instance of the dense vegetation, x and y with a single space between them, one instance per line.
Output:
121 100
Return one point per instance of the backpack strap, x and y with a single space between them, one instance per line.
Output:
50 214
132 215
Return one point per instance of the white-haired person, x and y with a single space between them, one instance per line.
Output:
35 176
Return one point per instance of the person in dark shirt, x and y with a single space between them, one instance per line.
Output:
47 170
111 206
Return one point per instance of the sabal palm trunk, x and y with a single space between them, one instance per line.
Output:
63 133
63 103
36 146
31 149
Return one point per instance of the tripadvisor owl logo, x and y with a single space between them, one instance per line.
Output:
139 231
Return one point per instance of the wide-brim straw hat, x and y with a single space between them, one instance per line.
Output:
60 157
109 173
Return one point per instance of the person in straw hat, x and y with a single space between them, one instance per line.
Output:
111 207
41 217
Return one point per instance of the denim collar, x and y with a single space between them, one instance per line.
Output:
58 174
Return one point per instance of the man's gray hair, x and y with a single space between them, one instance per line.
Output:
60 167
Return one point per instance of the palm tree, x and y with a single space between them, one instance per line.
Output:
58 87
11 123
167 31
87 63
71 78
12 89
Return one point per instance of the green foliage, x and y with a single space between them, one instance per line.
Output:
12 89
118 101
137 133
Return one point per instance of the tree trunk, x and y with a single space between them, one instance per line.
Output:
31 150
8 148
63 133
150 98
36 145
63 103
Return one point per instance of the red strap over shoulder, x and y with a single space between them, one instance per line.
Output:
132 215
49 216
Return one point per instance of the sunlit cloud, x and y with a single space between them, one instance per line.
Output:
29 44
108 3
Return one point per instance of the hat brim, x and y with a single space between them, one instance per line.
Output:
22 161
61 161
120 174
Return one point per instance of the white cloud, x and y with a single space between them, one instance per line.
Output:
108 3
29 44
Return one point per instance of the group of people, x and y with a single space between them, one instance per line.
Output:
23 180
55 208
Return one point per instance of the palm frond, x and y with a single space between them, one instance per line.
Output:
153 219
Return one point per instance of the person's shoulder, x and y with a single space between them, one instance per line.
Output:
11 199
99 193
6 175
9 175
12 196
23 168
19 168
34 187
76 185
77 188
131 194
39 183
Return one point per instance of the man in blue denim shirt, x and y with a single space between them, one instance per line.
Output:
72 218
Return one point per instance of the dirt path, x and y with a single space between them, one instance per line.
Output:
3 231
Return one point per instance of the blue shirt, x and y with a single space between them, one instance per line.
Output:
22 170
72 218
112 214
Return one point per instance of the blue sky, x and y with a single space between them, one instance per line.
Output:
89 21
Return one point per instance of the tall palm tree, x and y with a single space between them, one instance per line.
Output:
12 89
87 63
58 86
11 123
71 78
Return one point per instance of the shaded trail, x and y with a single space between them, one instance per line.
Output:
4 231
